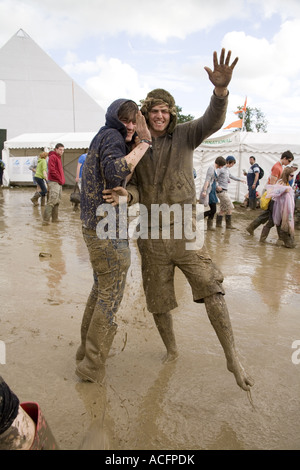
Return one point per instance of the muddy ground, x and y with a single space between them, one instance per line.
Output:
193 403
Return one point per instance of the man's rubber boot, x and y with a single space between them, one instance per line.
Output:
250 229
43 200
252 204
55 213
210 224
98 343
219 221
228 222
47 215
264 233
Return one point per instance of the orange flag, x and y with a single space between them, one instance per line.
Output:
243 110
238 123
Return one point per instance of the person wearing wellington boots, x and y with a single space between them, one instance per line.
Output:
112 156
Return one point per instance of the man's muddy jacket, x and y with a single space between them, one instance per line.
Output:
165 173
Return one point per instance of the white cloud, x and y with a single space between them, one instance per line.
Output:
115 79
57 22
266 68
286 9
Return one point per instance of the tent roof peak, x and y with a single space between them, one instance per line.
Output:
22 34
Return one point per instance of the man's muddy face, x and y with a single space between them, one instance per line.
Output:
159 119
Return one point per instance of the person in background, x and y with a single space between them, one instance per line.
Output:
209 190
283 206
41 179
297 181
294 166
223 178
252 182
2 168
266 216
56 179
32 168
79 169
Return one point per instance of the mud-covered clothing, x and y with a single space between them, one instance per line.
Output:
110 260
159 258
226 205
165 173
165 176
223 179
55 168
55 193
105 166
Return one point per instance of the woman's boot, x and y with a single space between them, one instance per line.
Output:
98 343
210 224
55 213
228 222
47 215
85 323
35 198
219 221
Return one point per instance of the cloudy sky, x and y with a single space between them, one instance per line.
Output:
114 48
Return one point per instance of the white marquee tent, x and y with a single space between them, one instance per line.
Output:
19 152
267 148
36 95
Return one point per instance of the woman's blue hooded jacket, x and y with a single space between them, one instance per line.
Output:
105 165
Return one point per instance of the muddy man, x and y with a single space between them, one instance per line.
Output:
165 176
